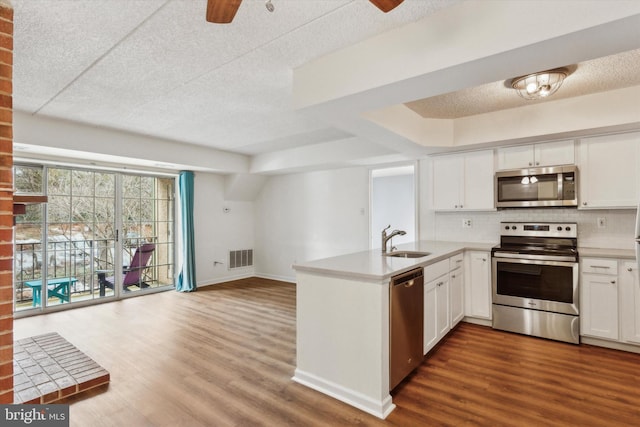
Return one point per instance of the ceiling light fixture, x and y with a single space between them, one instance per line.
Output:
539 85
270 7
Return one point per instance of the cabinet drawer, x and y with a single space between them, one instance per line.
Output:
600 266
436 270
456 261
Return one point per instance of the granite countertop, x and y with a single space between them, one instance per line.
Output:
606 253
373 266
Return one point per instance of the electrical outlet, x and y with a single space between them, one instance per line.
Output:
466 223
602 222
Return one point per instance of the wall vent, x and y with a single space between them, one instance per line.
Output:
241 258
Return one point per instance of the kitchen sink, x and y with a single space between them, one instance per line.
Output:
407 254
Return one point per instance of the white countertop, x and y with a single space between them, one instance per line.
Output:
606 253
372 265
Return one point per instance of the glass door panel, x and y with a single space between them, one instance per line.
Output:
147 223
28 255
101 234
81 233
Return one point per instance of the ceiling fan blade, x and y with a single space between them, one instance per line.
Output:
222 11
386 5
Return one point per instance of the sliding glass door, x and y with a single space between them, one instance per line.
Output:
101 235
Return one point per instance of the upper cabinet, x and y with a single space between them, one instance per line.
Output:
608 168
463 181
536 155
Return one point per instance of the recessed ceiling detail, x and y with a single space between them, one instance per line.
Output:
598 75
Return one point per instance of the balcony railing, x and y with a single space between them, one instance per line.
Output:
79 259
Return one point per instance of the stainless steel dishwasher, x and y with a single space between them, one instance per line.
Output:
406 314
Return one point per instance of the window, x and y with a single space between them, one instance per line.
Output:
82 243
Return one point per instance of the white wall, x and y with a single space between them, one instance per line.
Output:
393 203
218 232
300 217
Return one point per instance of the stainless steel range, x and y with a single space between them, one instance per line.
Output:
535 280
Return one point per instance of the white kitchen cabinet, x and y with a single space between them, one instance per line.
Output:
609 176
536 155
456 289
443 299
629 302
447 182
477 296
436 311
599 299
463 181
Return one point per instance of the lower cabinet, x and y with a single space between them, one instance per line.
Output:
629 303
477 287
443 298
599 305
610 300
456 290
436 309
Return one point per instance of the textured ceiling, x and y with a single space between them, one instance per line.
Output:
156 67
598 75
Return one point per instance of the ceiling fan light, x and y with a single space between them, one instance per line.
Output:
539 85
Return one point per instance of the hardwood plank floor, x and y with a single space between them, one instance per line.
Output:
225 355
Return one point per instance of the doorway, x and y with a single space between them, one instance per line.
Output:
393 202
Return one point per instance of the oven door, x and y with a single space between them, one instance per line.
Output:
536 284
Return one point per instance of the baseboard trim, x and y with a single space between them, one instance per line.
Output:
477 321
276 277
610 344
380 409
226 279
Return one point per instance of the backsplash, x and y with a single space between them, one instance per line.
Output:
485 226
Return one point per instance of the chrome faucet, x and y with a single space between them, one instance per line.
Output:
386 238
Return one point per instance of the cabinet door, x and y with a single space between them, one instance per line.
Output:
430 328
447 180
478 185
442 290
554 153
456 296
599 306
517 157
478 284
630 303
609 171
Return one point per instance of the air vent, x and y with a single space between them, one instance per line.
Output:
241 258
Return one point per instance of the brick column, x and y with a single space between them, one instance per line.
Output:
6 202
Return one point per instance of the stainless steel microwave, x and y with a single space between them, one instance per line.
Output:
555 186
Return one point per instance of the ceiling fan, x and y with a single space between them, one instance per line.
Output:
223 11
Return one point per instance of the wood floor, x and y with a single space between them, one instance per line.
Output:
224 356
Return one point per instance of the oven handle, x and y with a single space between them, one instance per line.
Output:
535 261
535 257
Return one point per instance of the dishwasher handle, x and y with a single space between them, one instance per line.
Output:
407 279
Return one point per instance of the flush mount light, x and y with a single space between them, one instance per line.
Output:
539 85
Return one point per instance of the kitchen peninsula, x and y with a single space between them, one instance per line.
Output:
343 320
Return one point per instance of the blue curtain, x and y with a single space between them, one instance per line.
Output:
187 277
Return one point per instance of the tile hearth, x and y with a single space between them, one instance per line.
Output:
48 368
